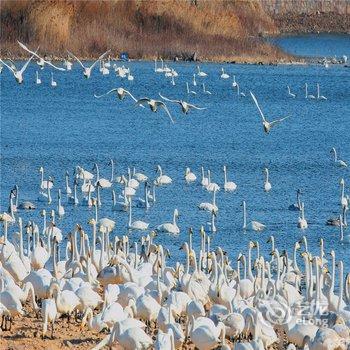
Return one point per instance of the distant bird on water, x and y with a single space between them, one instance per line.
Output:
190 91
289 93
266 124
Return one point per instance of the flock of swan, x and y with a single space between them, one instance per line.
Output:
210 299
123 72
130 292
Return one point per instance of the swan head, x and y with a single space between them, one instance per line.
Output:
184 246
252 244
92 222
41 169
176 213
275 253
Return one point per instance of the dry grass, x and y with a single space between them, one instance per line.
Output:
145 28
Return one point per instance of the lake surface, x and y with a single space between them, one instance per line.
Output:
315 45
62 127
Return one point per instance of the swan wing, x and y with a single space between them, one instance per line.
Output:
168 99
26 64
5 64
131 95
30 51
107 93
196 107
162 104
70 53
142 101
257 105
36 55
277 121
100 58
53 66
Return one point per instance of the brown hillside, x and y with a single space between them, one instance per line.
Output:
220 29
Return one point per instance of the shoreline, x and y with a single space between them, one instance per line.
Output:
296 61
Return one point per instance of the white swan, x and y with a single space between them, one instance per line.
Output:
289 93
45 184
120 92
209 207
205 180
60 207
41 62
18 74
37 80
212 186
53 83
229 186
194 82
266 124
158 69
337 161
138 224
306 93
205 90
223 74
200 73
162 179
267 184
185 106
320 97
302 222
87 70
190 176
170 227
49 314
154 104
204 334
234 83
256 225
190 91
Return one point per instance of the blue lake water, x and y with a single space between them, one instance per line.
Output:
62 127
315 45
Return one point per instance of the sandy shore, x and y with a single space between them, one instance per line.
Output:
26 334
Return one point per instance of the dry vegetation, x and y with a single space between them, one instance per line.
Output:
215 30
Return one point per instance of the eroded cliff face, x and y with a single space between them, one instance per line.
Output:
217 30
281 7
306 16
221 29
